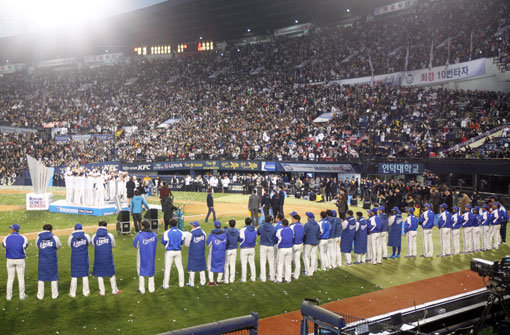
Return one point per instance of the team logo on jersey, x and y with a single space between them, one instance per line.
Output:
79 243
46 244
102 240
146 241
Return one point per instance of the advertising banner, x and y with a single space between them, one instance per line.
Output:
38 202
441 74
298 28
207 165
399 168
311 167
395 7
382 79
136 167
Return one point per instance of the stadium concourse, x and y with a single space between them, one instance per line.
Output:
223 108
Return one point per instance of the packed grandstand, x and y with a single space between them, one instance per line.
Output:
258 101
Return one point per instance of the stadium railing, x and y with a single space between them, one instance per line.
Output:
241 325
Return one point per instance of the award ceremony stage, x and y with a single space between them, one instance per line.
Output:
109 208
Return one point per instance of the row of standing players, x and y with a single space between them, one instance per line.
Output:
281 246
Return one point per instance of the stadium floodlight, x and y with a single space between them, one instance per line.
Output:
249 30
296 21
348 10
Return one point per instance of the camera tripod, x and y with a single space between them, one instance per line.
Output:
497 295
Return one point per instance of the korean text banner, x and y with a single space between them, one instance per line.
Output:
440 74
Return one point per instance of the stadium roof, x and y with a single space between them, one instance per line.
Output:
175 21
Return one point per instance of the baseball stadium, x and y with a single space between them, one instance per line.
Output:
255 167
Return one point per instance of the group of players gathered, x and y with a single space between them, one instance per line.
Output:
283 244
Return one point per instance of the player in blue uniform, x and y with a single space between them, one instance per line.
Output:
410 229
146 242
360 239
395 232
79 243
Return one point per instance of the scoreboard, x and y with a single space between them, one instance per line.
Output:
164 49
195 46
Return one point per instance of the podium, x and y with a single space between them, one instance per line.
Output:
123 224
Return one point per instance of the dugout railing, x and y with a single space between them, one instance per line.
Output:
246 325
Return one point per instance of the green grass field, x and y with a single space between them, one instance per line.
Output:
132 313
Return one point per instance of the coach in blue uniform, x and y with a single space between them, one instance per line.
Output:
444 223
15 245
311 241
267 241
361 239
79 243
103 243
217 242
248 239
349 228
457 220
196 254
410 229
395 232
48 244
285 237
297 248
146 242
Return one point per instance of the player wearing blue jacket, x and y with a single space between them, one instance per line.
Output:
325 228
331 250
146 242
103 243
395 233
15 245
173 239
384 231
47 244
297 248
196 254
444 223
467 229
374 249
231 254
497 218
248 238
427 222
267 240
311 241
79 243
285 237
217 242
457 220
360 239
349 227
476 229
486 219
410 229
338 237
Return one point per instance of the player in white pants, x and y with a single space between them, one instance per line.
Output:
78 185
486 219
444 224
410 229
476 229
48 244
69 186
15 245
324 249
285 238
467 229
297 248
248 239
233 236
497 216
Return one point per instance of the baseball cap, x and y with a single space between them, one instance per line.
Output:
15 226
293 213
456 208
333 212
410 210
443 205
468 207
495 204
310 215
381 208
485 206
476 208
78 226
395 209
195 223
217 223
427 205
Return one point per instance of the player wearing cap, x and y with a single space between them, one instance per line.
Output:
444 223
485 220
504 222
47 244
285 237
231 254
146 242
497 217
332 246
103 243
476 228
217 242
360 239
457 220
248 239
267 240
297 248
325 228
15 246
338 238
79 243
410 229
467 229
395 232
311 241
427 222
196 254
173 239
384 231
373 241
349 228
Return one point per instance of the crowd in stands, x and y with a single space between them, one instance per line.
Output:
258 102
